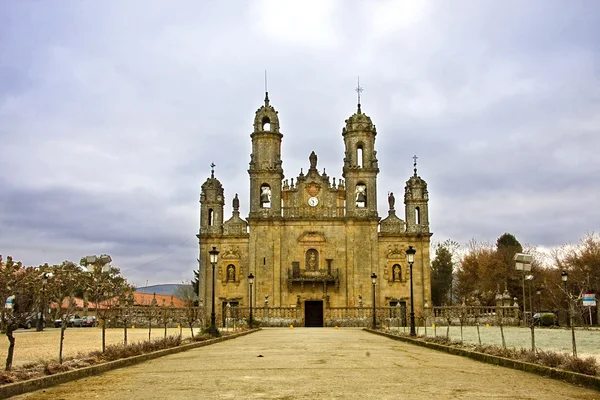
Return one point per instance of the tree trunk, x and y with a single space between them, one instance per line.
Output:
11 347
573 337
103 335
165 330
192 331
62 337
149 329
532 335
502 334
41 319
125 323
478 334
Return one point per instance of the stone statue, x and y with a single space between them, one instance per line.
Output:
236 203
396 273
231 273
312 262
313 160
391 200
359 300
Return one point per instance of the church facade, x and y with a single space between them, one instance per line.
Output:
314 242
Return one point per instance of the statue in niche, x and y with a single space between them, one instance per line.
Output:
397 272
313 160
265 194
359 300
361 195
391 200
230 273
312 260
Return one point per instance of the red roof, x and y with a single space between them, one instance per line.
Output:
145 299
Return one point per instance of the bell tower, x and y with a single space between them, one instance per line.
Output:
266 172
360 164
416 199
211 205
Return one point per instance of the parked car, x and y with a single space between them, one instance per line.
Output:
76 321
73 321
31 322
89 321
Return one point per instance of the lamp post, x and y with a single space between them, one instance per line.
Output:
565 277
41 323
374 281
398 311
529 278
250 282
214 253
410 254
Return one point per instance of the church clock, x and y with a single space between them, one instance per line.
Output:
313 201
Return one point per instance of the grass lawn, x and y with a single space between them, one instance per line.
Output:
555 339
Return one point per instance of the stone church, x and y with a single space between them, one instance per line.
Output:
312 241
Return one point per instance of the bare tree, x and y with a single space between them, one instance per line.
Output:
19 287
67 279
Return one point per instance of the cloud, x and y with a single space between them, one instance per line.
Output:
111 113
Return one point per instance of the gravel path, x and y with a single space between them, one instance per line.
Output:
305 363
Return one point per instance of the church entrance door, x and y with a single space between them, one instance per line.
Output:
313 313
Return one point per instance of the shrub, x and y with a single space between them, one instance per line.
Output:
587 366
550 358
547 319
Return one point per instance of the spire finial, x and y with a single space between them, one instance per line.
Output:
358 91
266 91
415 163
212 170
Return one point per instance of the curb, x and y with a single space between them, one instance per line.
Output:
587 381
14 389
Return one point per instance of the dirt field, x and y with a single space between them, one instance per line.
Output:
32 346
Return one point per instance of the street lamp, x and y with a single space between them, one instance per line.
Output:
523 263
214 253
529 278
565 277
250 282
41 323
374 280
410 255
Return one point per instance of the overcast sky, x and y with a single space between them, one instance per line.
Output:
112 111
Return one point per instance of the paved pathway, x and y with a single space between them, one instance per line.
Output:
314 363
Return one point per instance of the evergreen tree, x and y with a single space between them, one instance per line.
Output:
441 275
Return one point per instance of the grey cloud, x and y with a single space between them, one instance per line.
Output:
111 113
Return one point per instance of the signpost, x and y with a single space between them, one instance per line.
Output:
589 300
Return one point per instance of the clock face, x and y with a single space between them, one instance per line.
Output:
313 201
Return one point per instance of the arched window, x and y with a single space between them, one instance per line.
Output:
265 196
266 124
361 195
359 156
417 215
397 273
211 217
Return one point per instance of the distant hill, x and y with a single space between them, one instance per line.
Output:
169 289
